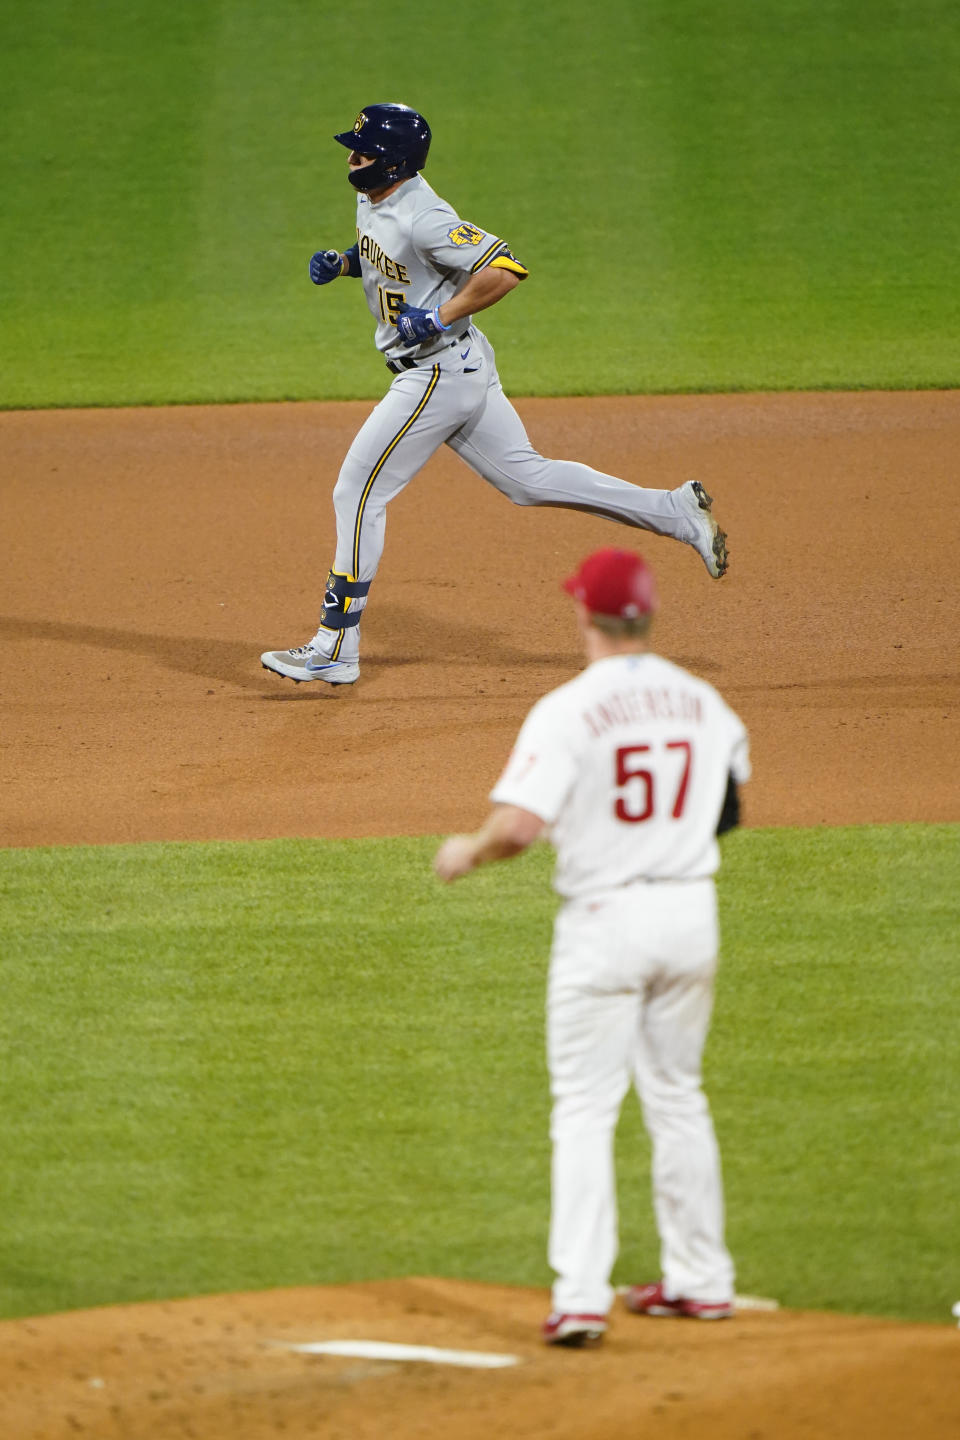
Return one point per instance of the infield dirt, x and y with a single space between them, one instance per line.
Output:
217 1367
153 554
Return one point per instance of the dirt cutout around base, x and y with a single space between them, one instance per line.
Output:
153 554
220 1366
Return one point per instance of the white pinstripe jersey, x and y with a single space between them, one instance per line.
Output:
628 764
414 248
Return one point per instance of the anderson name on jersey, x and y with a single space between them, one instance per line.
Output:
415 249
628 765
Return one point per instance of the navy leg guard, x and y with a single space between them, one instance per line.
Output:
338 597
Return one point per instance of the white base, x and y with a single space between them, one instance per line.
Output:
382 1350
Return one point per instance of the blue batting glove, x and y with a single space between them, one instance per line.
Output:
415 325
325 266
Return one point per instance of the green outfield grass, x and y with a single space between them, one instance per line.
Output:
238 1066
711 194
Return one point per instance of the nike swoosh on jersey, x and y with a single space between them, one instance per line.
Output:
464 353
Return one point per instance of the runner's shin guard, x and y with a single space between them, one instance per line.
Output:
339 611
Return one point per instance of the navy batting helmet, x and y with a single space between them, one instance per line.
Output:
399 138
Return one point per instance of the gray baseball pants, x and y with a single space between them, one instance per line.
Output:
458 401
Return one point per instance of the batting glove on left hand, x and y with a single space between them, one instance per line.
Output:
415 325
325 266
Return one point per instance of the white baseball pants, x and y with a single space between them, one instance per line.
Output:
459 401
629 999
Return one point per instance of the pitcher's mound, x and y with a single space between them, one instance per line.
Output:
226 1366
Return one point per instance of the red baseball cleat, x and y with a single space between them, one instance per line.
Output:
650 1300
573 1330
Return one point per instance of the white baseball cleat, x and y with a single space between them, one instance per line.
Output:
709 541
573 1330
308 663
650 1300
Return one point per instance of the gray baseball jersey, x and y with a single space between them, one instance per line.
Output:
416 250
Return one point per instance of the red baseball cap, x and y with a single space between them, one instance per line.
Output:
614 582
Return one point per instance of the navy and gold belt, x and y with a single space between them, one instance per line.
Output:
407 362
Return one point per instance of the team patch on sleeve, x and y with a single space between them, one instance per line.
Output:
465 235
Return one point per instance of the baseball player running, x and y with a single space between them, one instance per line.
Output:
425 273
632 770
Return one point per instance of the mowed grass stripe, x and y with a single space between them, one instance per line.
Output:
710 194
237 1066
